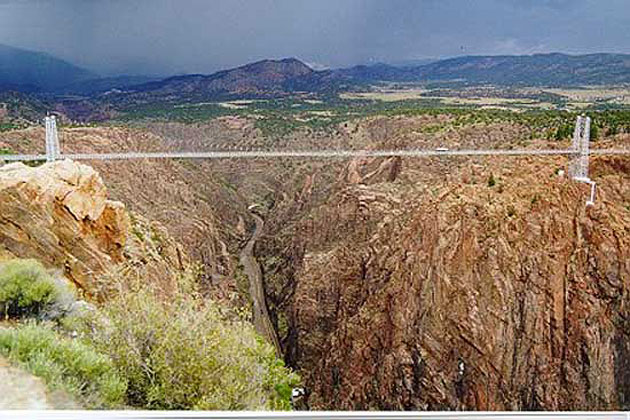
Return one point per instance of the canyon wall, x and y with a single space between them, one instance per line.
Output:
469 295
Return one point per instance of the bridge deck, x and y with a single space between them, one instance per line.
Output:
243 154
227 154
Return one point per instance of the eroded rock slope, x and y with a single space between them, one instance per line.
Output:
510 296
59 214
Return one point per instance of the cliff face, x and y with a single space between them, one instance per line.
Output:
59 214
189 198
400 283
468 296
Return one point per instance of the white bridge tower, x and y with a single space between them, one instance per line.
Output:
578 165
52 139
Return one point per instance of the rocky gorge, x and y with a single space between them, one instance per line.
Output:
468 298
395 284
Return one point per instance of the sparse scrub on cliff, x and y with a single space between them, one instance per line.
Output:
34 163
8 127
25 288
594 132
184 353
64 363
491 181
564 131
511 211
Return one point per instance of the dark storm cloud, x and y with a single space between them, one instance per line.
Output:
177 36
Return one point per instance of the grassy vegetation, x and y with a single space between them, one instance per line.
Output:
182 352
280 117
144 347
25 288
8 127
34 163
174 112
65 364
543 124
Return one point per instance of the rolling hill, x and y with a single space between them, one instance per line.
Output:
263 78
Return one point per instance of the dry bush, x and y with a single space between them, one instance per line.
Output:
178 350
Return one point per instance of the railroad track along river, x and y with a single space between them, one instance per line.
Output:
252 269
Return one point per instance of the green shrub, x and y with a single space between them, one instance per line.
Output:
64 363
183 353
594 134
565 131
491 181
25 288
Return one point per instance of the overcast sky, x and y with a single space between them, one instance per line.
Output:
163 37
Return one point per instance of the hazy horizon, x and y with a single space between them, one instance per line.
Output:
166 37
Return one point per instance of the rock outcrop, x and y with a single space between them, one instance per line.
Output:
59 214
20 390
468 296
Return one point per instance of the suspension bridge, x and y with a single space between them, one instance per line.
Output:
579 153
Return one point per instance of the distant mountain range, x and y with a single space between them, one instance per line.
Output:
34 72
531 70
525 70
273 78
29 71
